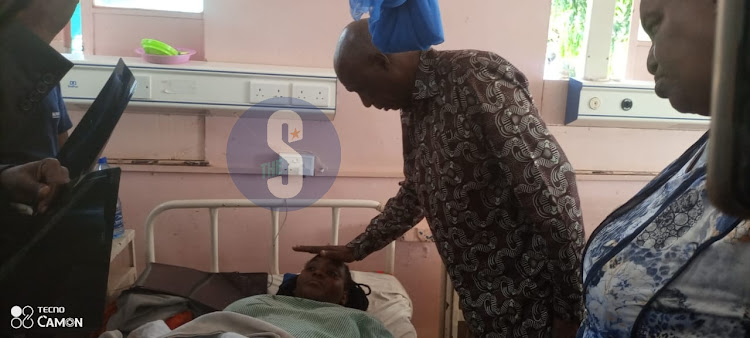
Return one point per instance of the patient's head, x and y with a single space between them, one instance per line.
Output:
326 280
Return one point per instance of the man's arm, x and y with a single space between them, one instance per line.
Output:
400 214
543 183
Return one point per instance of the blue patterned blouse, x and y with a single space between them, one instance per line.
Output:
669 264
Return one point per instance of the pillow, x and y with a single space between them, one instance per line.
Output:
389 301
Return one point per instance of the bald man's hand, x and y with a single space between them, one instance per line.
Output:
36 183
340 253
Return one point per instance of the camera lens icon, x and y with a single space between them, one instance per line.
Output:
16 311
22 317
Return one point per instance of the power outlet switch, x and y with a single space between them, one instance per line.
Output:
302 164
266 90
315 95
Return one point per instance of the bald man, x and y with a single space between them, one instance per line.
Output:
481 166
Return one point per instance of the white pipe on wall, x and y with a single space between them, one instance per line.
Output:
335 226
275 241
214 239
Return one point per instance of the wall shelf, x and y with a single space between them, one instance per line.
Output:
201 87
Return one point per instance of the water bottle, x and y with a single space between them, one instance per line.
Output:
119 224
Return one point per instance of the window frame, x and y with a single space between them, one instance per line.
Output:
598 39
597 43
146 11
89 10
637 70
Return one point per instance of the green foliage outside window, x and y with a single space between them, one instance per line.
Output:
567 27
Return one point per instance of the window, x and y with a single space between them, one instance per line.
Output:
567 38
642 35
187 6
76 32
70 38
620 39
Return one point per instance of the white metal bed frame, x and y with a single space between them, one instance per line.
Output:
213 206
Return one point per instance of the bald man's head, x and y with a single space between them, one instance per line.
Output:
383 81
355 45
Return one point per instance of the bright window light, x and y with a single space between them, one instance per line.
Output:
187 6
76 33
566 40
642 35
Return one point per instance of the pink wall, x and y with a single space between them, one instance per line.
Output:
304 33
121 34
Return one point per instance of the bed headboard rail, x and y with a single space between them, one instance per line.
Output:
213 206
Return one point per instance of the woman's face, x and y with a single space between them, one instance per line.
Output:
682 32
322 280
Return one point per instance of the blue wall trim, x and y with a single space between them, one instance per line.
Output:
574 99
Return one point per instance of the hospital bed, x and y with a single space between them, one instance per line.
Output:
389 301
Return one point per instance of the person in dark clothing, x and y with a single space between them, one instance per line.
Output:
30 99
42 135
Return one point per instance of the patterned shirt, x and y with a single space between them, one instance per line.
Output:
497 191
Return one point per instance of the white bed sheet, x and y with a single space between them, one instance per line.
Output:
389 301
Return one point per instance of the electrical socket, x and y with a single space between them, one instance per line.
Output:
143 87
305 168
266 90
316 95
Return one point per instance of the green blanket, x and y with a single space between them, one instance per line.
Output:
304 318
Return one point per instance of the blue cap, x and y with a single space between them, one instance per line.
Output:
102 160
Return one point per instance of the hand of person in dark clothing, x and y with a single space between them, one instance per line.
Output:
340 253
36 183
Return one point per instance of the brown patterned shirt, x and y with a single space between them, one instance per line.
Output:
497 191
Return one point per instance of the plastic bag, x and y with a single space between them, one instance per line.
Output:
401 25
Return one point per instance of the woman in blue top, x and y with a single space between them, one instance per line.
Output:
668 263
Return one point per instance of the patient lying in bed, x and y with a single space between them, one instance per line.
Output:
323 301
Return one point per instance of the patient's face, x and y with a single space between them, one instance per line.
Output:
682 32
322 280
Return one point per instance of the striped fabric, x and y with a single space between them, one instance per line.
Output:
304 318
